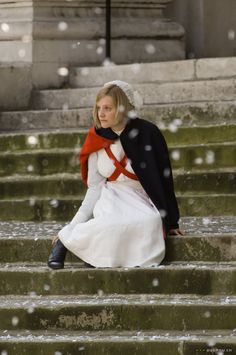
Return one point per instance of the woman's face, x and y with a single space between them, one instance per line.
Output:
107 114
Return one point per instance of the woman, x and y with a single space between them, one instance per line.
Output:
130 203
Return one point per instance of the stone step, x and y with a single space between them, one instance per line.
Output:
126 312
153 93
62 118
175 278
184 70
192 113
175 134
201 247
140 342
56 208
206 239
61 160
215 181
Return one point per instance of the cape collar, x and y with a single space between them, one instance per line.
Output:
129 130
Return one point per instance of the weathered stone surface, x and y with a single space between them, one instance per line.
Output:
41 120
177 135
53 161
16 90
212 68
50 35
175 278
57 208
135 73
66 184
164 115
26 244
16 51
118 342
152 93
165 312
216 68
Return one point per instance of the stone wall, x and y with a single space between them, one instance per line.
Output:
54 34
210 26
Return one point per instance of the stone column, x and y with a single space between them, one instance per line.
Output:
51 34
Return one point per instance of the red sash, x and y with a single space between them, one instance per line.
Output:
120 166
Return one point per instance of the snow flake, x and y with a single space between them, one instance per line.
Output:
121 108
108 63
135 68
98 10
100 293
62 26
198 161
5 27
172 127
231 35
133 133
32 140
166 172
32 201
155 282
21 53
46 287
206 221
99 50
148 147
132 114
175 154
65 106
15 321
150 48
207 314
163 213
54 203
210 157
30 310
63 71
30 168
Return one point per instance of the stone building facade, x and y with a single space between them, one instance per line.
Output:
210 26
38 37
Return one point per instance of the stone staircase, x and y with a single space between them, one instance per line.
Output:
185 306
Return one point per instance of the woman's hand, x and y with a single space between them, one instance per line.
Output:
176 231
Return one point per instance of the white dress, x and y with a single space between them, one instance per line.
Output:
117 225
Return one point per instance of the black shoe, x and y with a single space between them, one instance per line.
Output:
57 256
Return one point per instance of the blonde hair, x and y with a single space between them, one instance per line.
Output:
120 100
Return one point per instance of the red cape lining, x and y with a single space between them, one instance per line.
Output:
92 143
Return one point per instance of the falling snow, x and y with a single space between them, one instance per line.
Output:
32 140
62 26
133 133
231 35
63 71
5 27
15 321
150 48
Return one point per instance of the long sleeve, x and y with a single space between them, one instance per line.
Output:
95 183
